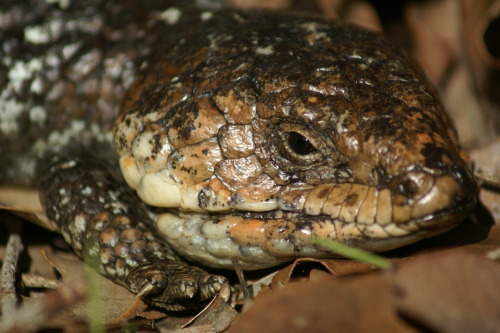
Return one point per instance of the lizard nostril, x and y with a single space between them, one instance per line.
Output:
412 186
408 188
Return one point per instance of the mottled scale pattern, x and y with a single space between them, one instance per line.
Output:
241 134
107 227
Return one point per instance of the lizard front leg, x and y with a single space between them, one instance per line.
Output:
107 225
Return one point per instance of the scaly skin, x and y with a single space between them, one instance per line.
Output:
252 131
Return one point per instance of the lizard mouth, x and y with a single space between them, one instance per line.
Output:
357 215
415 203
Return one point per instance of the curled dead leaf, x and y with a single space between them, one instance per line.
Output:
449 291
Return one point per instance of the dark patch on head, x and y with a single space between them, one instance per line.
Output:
155 142
206 199
381 175
382 127
434 155
122 141
204 151
183 117
323 193
351 199
190 170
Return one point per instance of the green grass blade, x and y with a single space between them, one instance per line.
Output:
352 252
94 299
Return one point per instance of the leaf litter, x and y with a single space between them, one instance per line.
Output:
448 283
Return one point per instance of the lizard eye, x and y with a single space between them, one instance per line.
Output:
300 144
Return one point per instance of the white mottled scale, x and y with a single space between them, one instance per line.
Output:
200 238
192 236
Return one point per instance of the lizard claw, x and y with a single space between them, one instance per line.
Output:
172 284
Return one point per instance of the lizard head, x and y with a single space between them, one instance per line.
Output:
296 127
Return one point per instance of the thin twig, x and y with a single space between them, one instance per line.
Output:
8 274
241 277
38 281
486 180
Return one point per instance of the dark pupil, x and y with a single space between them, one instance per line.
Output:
300 144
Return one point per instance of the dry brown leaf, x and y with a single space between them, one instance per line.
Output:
326 305
353 11
450 291
303 269
434 291
487 158
477 16
437 32
24 203
363 14
116 300
487 163
38 261
483 68
214 318
432 23
335 267
217 317
21 198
